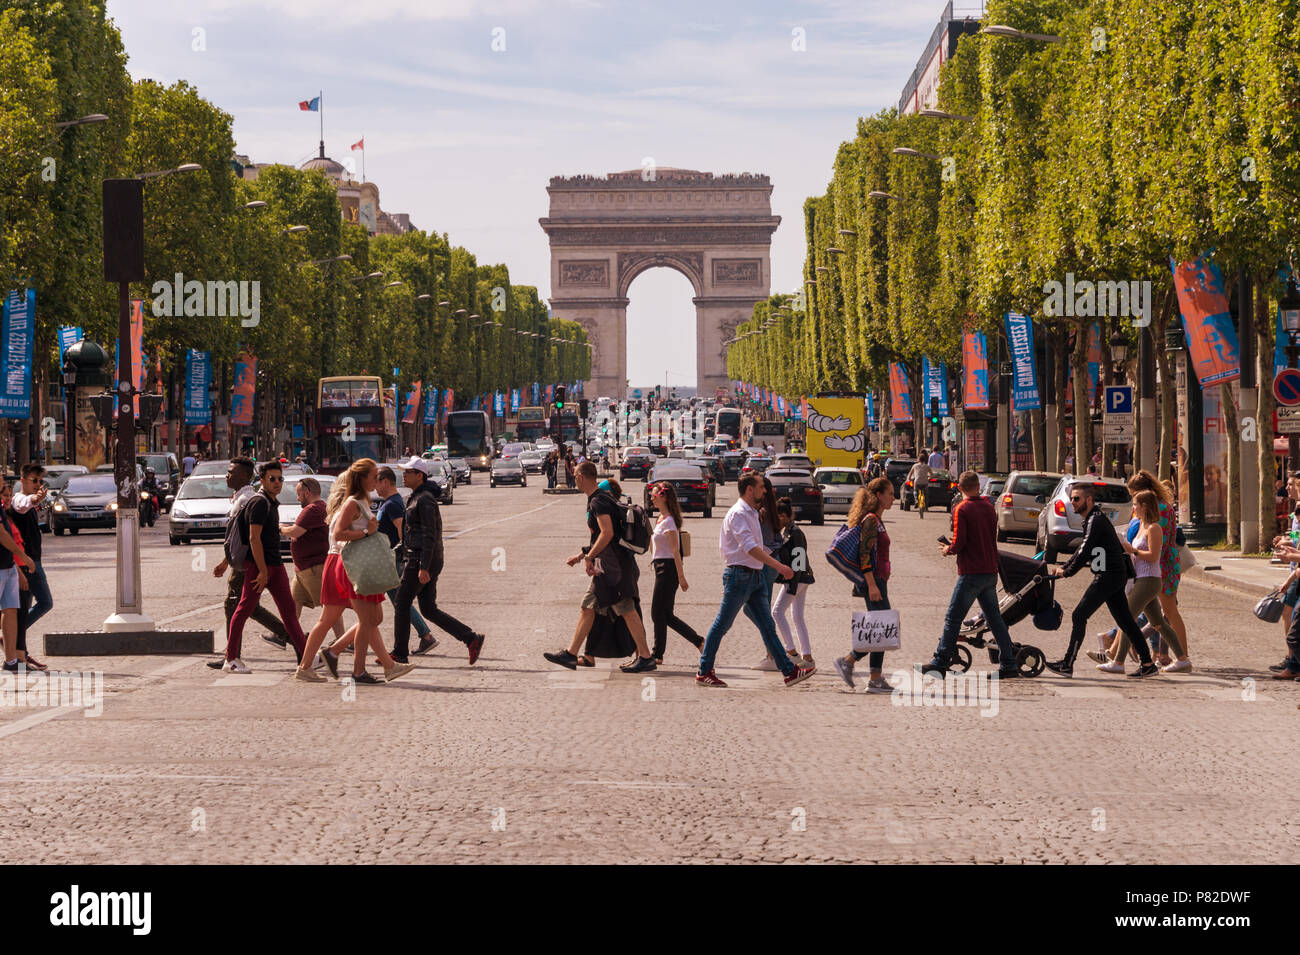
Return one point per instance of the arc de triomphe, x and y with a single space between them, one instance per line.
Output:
605 231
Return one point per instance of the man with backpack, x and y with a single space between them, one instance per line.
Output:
258 529
613 572
239 478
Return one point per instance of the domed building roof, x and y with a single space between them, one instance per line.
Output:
326 165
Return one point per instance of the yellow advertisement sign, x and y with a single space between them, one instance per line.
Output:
835 435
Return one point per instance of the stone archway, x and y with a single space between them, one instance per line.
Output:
605 231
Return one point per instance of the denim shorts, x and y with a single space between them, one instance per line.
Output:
1292 594
9 589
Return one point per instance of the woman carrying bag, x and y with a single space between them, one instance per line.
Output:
666 558
348 512
869 504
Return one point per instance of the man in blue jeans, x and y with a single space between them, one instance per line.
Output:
36 600
743 587
974 542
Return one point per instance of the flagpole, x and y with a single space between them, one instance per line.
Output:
321 97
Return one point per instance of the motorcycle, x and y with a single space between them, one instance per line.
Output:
148 508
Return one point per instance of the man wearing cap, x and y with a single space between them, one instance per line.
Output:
422 563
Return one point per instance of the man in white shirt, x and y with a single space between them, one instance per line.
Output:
741 542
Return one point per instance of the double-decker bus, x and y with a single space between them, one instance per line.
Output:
570 423
356 417
531 424
470 437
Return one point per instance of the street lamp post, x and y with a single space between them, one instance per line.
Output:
1290 308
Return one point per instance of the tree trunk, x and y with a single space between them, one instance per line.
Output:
1061 371
1082 417
1264 332
1233 431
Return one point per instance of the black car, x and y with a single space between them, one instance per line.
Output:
89 500
658 446
695 492
712 466
732 463
896 470
460 469
805 496
637 465
940 492
167 472
756 463
507 471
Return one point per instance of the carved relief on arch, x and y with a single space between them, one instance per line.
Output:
632 264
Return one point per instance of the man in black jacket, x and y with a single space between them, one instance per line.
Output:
1101 551
422 563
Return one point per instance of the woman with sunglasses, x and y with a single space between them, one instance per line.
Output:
666 557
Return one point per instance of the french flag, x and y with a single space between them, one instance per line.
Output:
312 105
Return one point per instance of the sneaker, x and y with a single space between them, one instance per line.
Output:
396 657
364 677
236 666
399 669
936 667
878 684
1098 656
767 663
845 669
799 675
475 648
807 660
1146 669
308 676
13 667
217 664
1111 666
1061 667
1279 667
1178 666
332 661
640 665
427 643
276 639
708 679
563 658
1278 675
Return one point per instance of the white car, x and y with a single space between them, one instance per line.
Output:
839 486
200 510
1060 529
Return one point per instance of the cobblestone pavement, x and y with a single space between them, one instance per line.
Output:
514 760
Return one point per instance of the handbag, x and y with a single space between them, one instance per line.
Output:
1186 558
371 565
1269 608
843 554
684 541
875 630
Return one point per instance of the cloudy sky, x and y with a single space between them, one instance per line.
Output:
464 137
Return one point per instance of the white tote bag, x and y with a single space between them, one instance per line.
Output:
875 630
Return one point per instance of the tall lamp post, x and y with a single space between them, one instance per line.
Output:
1290 308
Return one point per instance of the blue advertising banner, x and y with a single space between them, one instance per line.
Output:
431 406
936 383
499 405
871 410
1024 376
536 394
198 382
17 341
69 335
514 400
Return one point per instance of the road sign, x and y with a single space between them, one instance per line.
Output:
1119 399
1286 387
1117 429
1288 420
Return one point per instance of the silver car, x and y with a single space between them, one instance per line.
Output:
1021 502
839 486
1061 529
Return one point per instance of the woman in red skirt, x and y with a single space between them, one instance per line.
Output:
348 512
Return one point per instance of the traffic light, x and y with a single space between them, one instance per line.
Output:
559 397
582 408
934 412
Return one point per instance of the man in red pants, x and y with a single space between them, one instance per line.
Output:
262 515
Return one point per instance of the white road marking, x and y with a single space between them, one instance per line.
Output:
499 520
36 719
190 613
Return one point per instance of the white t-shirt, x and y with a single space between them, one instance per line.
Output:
661 547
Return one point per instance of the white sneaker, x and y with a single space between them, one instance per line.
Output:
317 662
1098 656
236 666
1113 667
398 670
767 663
1178 666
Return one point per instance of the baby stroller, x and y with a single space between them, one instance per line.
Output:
1027 589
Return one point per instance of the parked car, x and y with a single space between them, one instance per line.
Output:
838 487
897 470
201 509
167 471
1060 529
991 485
805 496
89 501
1021 502
637 462
533 460
461 470
712 466
695 492
507 471
289 506
940 492
797 461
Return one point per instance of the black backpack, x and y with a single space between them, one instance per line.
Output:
237 550
634 535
